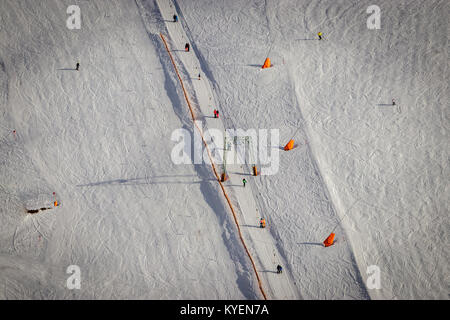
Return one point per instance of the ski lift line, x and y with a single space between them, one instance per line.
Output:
215 170
270 49
340 220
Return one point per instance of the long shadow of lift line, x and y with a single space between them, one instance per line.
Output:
312 243
255 65
142 181
250 226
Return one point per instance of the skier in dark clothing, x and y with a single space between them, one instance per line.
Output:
199 76
186 47
77 67
175 18
244 182
393 102
279 269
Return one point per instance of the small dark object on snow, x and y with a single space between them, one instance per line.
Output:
279 269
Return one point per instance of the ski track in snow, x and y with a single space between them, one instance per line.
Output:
259 241
100 138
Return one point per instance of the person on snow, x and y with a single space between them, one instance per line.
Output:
393 102
262 223
199 76
244 182
279 269
320 35
77 67
175 18
216 113
186 47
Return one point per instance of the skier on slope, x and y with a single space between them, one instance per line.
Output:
244 182
77 67
320 35
279 269
199 76
216 113
175 18
186 47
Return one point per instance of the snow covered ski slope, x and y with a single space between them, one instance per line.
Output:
137 225
260 242
379 172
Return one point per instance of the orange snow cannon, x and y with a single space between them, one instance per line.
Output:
289 146
55 203
329 241
266 64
